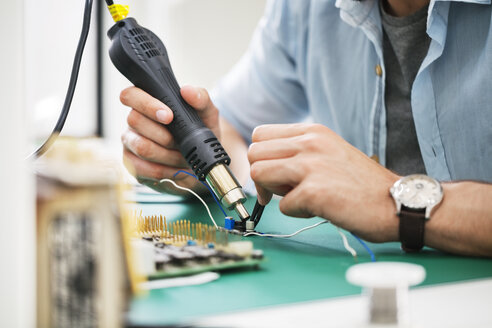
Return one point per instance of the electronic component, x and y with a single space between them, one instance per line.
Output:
82 276
229 223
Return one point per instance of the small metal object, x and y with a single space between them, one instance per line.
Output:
229 191
250 226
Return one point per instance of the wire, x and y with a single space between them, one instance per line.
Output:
344 238
284 236
71 86
109 2
373 257
195 194
346 243
206 185
258 210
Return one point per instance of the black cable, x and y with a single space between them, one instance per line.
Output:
109 2
71 86
100 8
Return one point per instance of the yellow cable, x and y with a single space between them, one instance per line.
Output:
119 12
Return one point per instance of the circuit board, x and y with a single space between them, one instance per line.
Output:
182 248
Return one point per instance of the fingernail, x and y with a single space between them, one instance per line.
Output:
195 89
162 116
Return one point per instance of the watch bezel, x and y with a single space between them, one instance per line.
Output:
399 202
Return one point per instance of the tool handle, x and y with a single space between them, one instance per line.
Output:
142 58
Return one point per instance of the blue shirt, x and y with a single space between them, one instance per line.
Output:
321 58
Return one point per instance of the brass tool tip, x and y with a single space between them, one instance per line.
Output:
242 211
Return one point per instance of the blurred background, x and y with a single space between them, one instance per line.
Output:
204 39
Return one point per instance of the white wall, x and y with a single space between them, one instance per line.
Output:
204 39
17 232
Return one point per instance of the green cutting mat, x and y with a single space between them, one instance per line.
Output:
309 266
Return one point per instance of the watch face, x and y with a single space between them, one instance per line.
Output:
417 191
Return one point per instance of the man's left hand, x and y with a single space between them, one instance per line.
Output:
320 174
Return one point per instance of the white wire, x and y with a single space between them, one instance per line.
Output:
346 243
284 236
344 238
193 193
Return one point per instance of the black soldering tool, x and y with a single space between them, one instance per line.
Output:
142 58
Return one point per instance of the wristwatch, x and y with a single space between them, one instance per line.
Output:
415 196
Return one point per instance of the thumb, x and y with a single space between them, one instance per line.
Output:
199 99
264 196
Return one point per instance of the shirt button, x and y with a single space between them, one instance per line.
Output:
379 70
375 158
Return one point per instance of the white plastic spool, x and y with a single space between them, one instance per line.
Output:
386 284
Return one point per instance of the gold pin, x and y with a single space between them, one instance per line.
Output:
152 226
180 230
161 226
165 225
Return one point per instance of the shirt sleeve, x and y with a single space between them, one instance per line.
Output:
264 86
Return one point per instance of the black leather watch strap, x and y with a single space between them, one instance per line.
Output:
412 226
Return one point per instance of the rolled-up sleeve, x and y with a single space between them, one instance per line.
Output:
264 86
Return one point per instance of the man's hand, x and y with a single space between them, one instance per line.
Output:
320 174
149 148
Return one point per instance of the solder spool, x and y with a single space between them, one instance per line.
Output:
386 285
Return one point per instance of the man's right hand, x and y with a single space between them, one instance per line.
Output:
150 151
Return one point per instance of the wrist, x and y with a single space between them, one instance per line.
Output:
382 220
390 213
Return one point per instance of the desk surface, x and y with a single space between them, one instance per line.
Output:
309 266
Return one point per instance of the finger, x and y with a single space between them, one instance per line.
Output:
274 131
146 104
276 172
272 149
145 169
148 150
295 203
150 129
264 195
199 99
